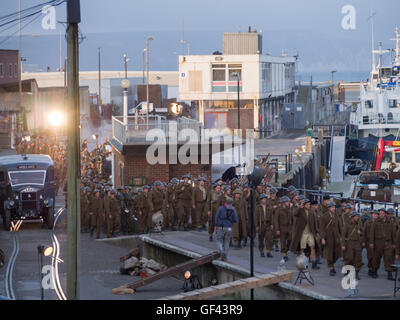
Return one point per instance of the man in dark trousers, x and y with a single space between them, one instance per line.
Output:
224 218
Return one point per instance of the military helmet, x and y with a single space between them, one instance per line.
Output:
302 197
348 206
285 199
174 181
291 188
227 187
331 204
314 202
262 196
306 200
354 213
140 190
202 179
237 191
382 209
234 180
146 187
186 176
273 190
158 183
390 211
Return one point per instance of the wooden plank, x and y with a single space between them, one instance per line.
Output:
234 286
174 270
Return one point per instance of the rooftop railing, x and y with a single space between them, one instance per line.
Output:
136 129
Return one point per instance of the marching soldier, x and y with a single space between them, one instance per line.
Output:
330 237
114 217
216 200
199 198
305 231
184 202
264 225
156 201
352 243
382 237
366 239
239 229
283 225
143 209
317 213
96 213
172 205
84 209
344 215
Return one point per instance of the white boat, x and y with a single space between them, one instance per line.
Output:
378 113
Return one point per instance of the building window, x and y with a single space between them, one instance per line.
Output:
394 103
10 70
219 78
266 77
1 70
15 70
369 104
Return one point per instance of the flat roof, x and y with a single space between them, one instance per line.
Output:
38 158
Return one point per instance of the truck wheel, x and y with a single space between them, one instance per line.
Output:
7 220
50 218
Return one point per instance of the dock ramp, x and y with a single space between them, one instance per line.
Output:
337 158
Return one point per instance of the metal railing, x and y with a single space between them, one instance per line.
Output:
378 118
136 128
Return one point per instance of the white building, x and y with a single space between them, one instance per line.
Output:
209 82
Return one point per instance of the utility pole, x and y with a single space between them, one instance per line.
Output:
147 80
183 37
21 109
99 100
143 58
73 169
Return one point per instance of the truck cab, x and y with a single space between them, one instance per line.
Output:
27 189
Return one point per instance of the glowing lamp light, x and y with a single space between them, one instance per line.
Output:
176 108
56 118
48 251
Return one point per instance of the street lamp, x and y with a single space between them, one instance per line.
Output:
43 251
332 72
147 86
143 58
125 85
237 76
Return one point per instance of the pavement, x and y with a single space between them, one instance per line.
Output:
325 286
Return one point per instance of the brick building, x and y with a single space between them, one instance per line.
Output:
9 70
130 147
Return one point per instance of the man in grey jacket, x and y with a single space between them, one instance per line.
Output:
224 218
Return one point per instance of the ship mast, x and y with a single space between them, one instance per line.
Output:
371 18
397 39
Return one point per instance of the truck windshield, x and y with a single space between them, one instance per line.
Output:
27 177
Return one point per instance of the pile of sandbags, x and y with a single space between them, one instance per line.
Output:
135 265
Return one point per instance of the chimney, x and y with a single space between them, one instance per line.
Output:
249 29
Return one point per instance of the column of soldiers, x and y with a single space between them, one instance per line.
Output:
299 225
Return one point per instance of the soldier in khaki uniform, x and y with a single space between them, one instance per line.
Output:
96 213
317 214
366 239
239 229
305 231
330 237
199 198
382 237
107 211
352 243
283 225
184 192
264 225
114 217
216 200
172 205
273 203
143 209
84 209
156 201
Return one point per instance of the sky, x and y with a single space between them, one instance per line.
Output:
312 27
